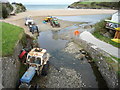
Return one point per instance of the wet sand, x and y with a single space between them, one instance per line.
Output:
39 15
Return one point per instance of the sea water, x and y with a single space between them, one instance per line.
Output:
45 7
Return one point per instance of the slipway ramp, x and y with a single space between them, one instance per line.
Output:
88 37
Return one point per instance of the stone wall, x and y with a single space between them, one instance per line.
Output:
99 56
11 67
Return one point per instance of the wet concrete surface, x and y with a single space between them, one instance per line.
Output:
69 68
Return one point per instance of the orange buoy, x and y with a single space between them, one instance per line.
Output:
76 33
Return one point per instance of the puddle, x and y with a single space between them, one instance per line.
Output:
59 59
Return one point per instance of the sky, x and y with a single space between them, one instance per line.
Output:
44 1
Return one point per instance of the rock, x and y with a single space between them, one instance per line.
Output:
80 56
107 34
87 27
72 48
83 51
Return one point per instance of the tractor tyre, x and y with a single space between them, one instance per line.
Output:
25 24
53 25
58 25
45 69
32 31
37 31
38 72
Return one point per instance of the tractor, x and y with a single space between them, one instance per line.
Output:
47 19
28 21
33 28
38 62
39 59
54 22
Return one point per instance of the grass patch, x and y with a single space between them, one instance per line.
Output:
100 30
117 59
10 35
84 3
112 63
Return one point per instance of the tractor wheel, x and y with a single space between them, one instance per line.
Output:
58 25
53 25
38 73
45 69
32 31
25 24
37 31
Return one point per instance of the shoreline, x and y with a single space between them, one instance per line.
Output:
59 12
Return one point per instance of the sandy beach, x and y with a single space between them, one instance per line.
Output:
60 12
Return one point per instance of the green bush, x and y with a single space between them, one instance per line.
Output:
6 9
4 12
20 8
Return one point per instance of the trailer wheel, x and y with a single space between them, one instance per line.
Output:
45 69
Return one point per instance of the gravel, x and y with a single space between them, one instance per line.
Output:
64 78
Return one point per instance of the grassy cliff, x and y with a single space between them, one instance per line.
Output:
95 5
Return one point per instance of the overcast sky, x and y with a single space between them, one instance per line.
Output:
44 1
